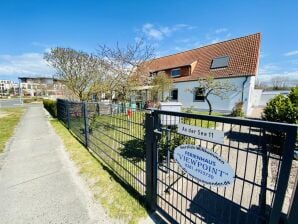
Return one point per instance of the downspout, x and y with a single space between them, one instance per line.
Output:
243 84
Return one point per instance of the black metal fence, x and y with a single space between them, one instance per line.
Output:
116 138
138 147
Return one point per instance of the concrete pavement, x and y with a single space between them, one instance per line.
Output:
37 181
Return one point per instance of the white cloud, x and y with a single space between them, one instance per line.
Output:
291 53
216 40
160 32
269 69
30 64
221 30
292 77
217 35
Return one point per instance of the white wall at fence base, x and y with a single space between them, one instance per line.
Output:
186 96
170 106
268 95
256 97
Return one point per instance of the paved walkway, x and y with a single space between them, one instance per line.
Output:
37 184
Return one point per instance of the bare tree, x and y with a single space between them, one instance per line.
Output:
76 68
219 88
126 67
259 84
279 82
161 83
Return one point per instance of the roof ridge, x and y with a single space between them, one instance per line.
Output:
255 34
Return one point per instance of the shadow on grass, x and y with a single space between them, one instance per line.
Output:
134 150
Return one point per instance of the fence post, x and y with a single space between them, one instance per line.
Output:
68 114
151 161
97 108
293 209
284 174
85 107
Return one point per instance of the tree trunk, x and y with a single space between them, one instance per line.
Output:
210 106
111 104
81 96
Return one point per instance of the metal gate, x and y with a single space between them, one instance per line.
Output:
260 153
137 147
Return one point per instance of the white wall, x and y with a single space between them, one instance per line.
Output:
256 97
268 95
185 96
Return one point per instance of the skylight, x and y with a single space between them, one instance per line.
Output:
220 62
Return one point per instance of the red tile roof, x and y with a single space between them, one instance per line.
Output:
243 53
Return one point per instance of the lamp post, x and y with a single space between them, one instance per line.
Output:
20 91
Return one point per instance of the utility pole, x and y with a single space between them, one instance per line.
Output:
20 91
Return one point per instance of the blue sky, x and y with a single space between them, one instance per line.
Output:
29 28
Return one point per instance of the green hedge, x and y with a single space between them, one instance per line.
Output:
31 100
280 109
50 106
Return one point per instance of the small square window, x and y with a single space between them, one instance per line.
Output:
220 62
199 94
176 72
174 94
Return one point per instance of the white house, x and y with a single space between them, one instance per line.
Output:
235 60
6 86
42 86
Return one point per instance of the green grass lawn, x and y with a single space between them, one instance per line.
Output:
118 202
9 118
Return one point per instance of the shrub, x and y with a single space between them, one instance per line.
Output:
50 106
238 110
293 96
280 109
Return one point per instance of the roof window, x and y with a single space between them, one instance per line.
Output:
220 62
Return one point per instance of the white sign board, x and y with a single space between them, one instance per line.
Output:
204 165
201 133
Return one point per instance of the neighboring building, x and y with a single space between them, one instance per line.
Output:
8 87
42 86
236 60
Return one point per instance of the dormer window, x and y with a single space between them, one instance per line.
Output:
175 72
220 62
152 74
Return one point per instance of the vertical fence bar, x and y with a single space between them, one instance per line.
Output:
156 139
68 113
293 209
58 108
149 141
86 131
263 190
285 170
